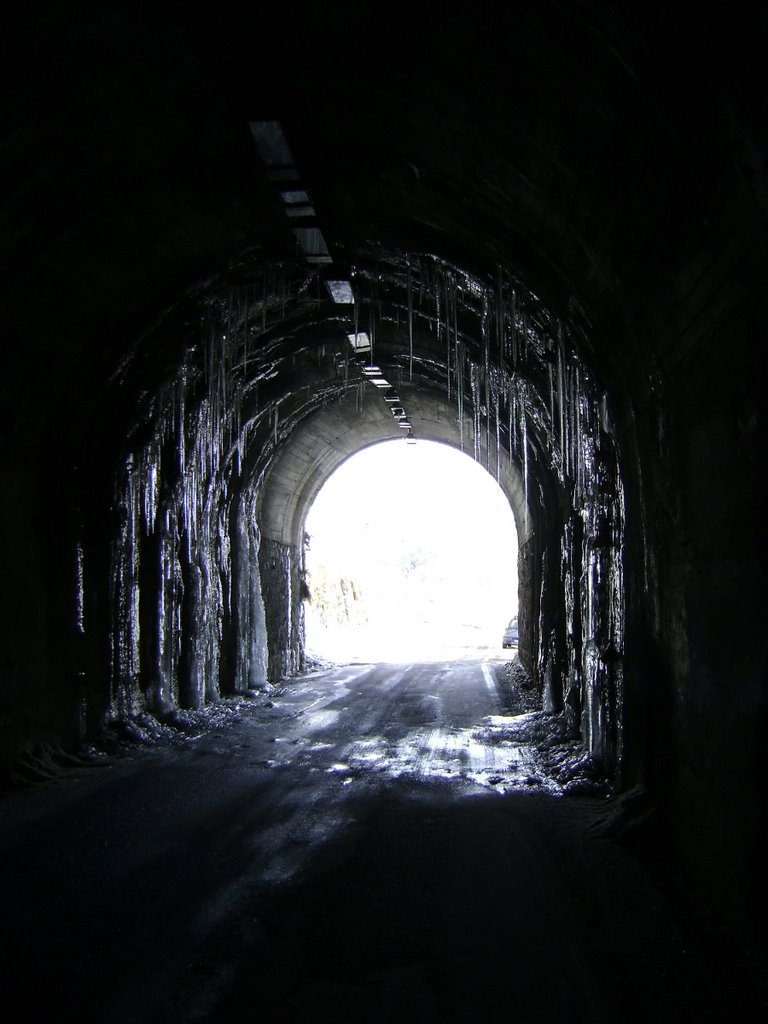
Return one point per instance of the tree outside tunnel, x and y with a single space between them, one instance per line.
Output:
411 556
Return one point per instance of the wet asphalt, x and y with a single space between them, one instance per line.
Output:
357 851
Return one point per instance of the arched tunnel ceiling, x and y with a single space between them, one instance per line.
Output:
274 396
329 437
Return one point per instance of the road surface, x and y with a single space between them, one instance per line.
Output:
365 849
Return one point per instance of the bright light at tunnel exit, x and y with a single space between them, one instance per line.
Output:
412 556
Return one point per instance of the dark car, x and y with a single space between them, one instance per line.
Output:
510 634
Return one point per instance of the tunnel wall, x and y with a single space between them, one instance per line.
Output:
199 601
204 565
712 645
250 629
281 567
334 433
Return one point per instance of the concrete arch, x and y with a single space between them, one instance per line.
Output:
318 446
335 433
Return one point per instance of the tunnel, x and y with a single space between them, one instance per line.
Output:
240 249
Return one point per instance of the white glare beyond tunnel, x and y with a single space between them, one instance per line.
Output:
412 556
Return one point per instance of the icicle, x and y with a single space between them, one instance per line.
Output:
486 336
476 396
459 370
498 433
438 313
500 318
560 407
356 330
510 422
446 284
524 417
574 428
150 491
577 435
410 323
371 331
455 319
181 423
79 590
513 319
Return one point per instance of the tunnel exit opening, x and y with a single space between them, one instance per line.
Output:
411 555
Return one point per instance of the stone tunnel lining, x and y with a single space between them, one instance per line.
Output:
332 435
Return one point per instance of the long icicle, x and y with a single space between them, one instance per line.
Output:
410 322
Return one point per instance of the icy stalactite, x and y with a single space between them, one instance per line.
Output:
570 560
511 400
438 305
124 697
459 378
79 589
500 319
495 398
513 328
485 330
454 341
372 330
409 299
474 386
561 403
172 554
251 654
524 446
168 614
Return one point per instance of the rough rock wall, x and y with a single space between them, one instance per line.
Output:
250 631
281 573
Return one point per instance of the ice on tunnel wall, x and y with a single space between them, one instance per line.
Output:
251 666
171 568
519 382
192 616
124 697
185 586
281 565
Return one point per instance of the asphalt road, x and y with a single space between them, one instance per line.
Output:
362 850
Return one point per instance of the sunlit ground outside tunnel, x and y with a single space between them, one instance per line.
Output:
397 567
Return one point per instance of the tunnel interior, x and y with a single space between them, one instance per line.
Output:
208 563
538 237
